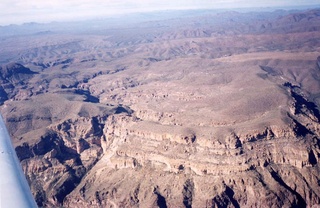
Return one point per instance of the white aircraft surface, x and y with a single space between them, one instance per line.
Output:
14 189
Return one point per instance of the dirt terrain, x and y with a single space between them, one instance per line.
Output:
185 109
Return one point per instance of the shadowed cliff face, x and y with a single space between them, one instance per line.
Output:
13 78
15 72
56 163
208 110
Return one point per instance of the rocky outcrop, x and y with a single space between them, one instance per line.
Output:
12 77
112 156
56 162
57 154
15 73
273 165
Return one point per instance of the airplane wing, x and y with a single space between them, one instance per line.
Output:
14 189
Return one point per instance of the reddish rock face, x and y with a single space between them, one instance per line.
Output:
208 110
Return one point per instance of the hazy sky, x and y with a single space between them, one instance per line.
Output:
19 11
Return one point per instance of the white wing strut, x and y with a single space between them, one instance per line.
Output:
14 189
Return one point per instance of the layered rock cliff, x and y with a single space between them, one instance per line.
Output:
153 165
97 154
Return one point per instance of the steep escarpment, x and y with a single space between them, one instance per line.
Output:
56 162
15 73
187 169
64 143
13 77
209 165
